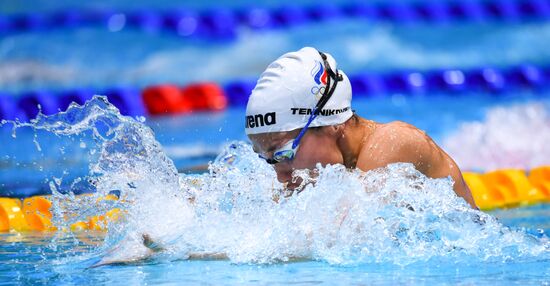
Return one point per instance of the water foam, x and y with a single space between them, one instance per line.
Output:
509 137
393 215
240 212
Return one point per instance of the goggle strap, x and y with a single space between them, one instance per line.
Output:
303 131
328 93
322 101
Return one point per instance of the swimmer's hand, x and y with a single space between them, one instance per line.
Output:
152 245
130 251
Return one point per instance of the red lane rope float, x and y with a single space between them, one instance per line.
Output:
205 96
171 99
166 98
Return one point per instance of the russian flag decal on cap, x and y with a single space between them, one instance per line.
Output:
319 73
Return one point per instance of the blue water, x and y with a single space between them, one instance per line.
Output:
193 141
267 243
28 261
328 228
84 57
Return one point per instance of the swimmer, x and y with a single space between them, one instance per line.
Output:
299 114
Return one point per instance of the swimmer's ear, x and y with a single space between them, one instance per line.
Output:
335 129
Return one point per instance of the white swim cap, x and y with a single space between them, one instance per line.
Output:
288 91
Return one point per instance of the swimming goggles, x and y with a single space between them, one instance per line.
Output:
288 151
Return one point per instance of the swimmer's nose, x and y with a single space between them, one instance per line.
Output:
284 173
284 177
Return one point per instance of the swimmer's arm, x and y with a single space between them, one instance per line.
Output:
401 142
445 166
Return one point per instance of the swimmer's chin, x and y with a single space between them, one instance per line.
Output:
295 186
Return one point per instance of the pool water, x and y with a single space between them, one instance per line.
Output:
414 230
440 116
32 259
347 228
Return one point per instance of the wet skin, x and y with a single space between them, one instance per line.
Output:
363 144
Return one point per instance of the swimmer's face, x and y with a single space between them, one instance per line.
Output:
317 146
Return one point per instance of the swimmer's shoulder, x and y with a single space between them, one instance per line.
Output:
396 132
393 142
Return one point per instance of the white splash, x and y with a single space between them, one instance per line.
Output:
393 214
509 137
238 210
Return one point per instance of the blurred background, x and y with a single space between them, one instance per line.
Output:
473 74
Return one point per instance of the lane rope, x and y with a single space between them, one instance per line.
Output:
223 23
210 96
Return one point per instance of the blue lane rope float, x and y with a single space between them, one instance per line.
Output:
131 101
223 23
79 95
237 92
8 108
33 101
367 84
146 20
126 99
